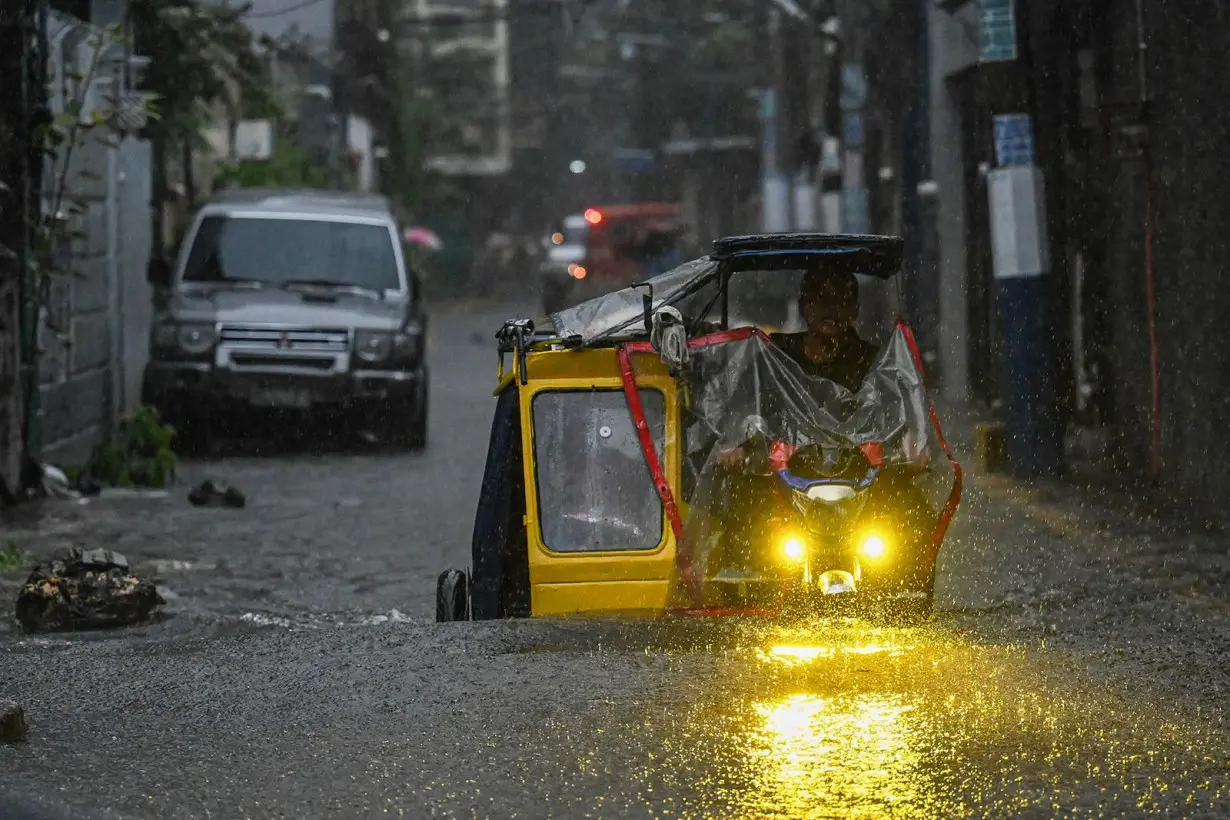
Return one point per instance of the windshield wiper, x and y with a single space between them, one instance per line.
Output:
341 287
225 283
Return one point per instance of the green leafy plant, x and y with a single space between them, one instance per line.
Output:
140 453
13 559
289 167
54 234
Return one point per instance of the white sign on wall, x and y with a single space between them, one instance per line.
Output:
1018 221
253 139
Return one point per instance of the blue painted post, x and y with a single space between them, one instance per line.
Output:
1021 255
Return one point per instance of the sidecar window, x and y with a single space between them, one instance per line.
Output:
595 493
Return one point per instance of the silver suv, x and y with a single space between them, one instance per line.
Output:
294 301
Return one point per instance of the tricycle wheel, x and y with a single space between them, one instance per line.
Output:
405 427
452 596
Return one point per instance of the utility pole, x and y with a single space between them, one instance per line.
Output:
1020 245
852 99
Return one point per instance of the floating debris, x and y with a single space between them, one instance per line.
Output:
216 494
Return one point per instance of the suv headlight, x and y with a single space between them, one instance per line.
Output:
375 347
196 339
192 339
371 346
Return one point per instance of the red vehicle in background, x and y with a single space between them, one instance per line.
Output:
622 244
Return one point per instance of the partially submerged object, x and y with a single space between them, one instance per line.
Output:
603 495
13 727
211 493
87 589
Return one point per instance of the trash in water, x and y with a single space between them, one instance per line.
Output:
87 589
56 483
216 494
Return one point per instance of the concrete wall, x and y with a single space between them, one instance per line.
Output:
952 40
1189 80
95 324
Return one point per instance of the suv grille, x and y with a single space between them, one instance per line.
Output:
279 339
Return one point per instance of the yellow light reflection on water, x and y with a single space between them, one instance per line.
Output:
791 655
834 756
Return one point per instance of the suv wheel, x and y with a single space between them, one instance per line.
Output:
407 429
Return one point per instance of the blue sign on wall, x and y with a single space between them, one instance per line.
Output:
996 30
852 130
853 87
1014 140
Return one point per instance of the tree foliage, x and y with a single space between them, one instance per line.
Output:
200 56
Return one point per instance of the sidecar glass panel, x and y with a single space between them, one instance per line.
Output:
595 493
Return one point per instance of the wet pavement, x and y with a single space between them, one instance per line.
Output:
1077 665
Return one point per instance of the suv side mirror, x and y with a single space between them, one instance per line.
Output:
158 273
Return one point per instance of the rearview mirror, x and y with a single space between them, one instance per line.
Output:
158 273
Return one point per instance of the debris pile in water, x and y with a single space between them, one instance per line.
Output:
87 589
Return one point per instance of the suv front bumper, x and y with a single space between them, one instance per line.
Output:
201 387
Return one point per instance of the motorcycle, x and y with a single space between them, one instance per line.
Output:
816 525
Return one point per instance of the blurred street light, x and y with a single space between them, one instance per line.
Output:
577 166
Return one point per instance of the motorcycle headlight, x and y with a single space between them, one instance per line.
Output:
873 546
371 346
830 492
794 548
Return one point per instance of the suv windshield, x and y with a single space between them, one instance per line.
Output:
287 251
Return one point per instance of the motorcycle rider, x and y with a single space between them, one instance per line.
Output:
830 348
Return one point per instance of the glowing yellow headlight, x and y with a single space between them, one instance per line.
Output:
873 547
794 549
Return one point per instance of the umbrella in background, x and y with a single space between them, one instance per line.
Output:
425 237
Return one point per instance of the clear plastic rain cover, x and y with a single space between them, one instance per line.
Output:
739 387
623 310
